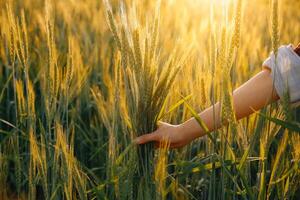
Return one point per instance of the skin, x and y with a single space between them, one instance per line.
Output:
253 95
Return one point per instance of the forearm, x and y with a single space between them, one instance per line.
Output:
252 95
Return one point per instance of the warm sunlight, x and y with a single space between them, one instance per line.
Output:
149 99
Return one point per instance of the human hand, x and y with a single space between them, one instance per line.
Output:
172 134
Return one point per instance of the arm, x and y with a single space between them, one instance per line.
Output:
254 94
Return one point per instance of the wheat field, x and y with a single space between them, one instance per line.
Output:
80 79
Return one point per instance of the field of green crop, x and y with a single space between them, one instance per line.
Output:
81 79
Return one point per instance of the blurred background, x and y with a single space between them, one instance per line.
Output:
66 126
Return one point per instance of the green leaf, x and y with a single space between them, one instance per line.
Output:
173 107
292 126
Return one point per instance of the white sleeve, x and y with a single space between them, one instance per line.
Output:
285 70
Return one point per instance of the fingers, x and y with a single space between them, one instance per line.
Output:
156 136
151 136
147 138
158 145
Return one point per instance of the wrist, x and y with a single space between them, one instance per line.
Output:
180 129
187 131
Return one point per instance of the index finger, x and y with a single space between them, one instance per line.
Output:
146 138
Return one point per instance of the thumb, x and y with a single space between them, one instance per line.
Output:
146 138
161 123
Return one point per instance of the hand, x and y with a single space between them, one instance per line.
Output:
165 133
297 50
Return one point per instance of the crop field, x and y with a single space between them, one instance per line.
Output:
81 79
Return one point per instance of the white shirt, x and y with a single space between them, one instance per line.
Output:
285 70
